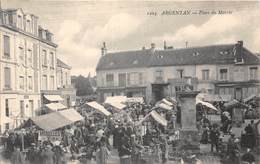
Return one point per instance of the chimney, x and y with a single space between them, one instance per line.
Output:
104 49
238 52
152 45
164 45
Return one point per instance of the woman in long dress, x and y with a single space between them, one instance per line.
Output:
102 152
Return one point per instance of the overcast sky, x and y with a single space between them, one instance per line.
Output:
80 26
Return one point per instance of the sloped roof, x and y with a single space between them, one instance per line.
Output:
62 64
126 59
212 54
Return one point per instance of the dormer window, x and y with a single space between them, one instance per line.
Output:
135 62
195 54
28 26
19 21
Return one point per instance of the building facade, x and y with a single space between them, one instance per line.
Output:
27 66
220 70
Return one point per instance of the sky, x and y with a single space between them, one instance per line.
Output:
80 27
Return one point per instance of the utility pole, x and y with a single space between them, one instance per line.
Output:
186 44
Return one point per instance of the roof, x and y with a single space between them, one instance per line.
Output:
212 54
127 59
62 64
99 107
56 120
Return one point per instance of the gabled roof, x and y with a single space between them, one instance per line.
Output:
127 59
62 64
212 54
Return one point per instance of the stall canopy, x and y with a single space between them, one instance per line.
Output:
163 106
167 102
56 120
99 107
116 101
156 116
135 100
206 104
234 103
56 106
53 97
119 99
159 118
249 98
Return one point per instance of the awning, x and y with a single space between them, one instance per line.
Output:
99 107
119 99
249 98
235 103
206 104
5 119
117 105
135 100
53 97
56 120
56 106
167 102
159 118
71 114
163 106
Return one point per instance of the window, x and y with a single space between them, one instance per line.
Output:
110 80
253 73
44 82
44 58
29 57
223 74
224 91
133 78
21 82
7 79
21 54
20 22
52 82
122 79
158 75
35 56
180 73
66 78
22 108
205 74
7 110
30 82
7 126
6 46
28 26
52 59
31 108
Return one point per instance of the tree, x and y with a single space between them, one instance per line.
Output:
83 85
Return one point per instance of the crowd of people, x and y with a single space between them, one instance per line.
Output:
137 139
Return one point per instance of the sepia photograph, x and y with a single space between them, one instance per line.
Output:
129 82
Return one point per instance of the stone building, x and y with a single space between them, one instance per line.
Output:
224 71
27 66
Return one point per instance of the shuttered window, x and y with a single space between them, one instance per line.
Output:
7 74
6 46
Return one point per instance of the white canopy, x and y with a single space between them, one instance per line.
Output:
56 106
206 104
135 100
159 118
117 105
156 116
53 97
249 98
119 99
71 114
99 107
167 102
164 106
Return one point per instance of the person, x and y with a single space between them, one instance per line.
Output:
102 152
47 155
125 150
17 156
214 137
233 150
248 157
33 154
204 137
249 129
58 154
